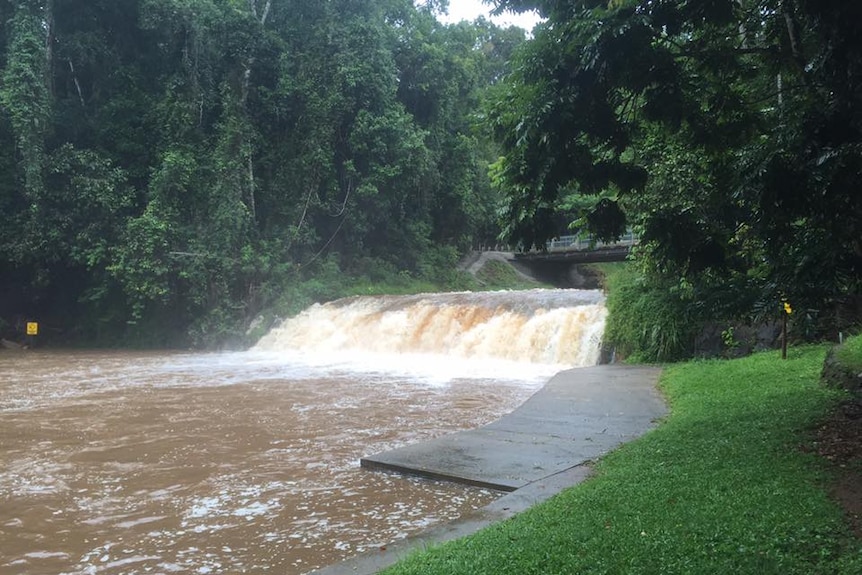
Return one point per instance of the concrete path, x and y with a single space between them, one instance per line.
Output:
535 452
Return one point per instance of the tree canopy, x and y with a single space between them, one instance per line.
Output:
173 166
728 133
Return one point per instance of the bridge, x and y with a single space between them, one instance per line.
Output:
582 249
560 264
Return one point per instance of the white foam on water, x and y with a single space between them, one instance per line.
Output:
552 327
437 338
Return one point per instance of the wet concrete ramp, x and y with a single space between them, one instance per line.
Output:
577 417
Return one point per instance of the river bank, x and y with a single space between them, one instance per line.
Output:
731 482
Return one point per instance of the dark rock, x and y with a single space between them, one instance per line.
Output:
736 339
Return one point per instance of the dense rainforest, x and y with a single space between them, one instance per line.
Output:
172 167
727 133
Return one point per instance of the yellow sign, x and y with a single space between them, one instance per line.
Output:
787 309
32 328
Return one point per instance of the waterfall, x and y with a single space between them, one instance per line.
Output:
560 327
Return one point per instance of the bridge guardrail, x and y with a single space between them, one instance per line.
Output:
587 242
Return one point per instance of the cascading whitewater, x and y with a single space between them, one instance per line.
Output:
562 327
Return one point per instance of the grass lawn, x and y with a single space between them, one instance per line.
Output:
727 484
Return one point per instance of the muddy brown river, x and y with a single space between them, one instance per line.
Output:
136 463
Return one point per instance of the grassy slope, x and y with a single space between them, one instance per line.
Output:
850 353
500 275
721 487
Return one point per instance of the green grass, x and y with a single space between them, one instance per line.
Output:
495 275
850 353
721 487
